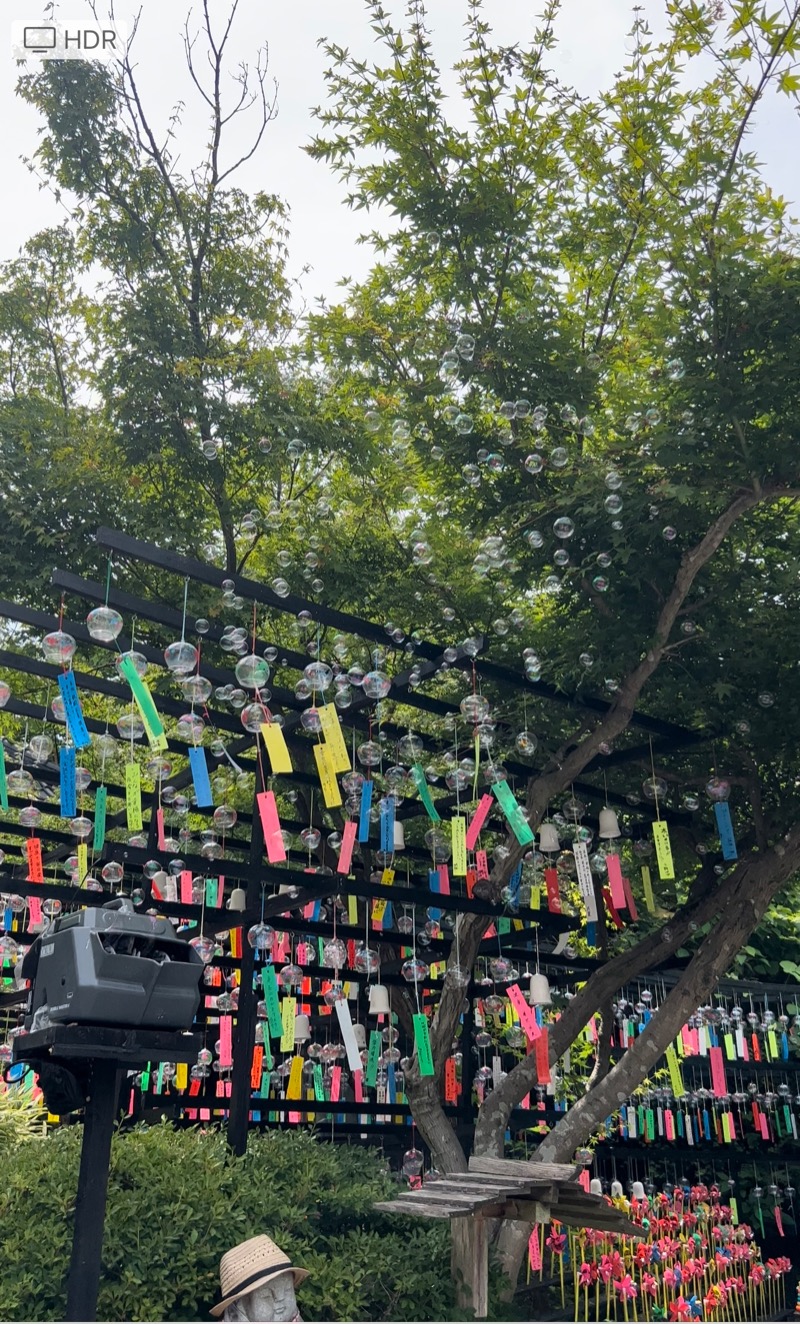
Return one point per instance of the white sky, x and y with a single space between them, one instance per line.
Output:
323 231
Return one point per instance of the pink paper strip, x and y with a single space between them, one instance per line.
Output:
444 880
478 819
186 887
732 1126
527 1016
271 825
348 842
764 1126
718 1082
534 1251
583 1180
336 1084
669 1125
162 836
226 1041
481 864
35 909
686 1040
615 881
220 893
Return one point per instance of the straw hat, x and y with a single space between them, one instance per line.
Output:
251 1265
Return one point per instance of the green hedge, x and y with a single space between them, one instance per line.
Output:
177 1201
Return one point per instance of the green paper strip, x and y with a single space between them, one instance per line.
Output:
503 925
507 801
264 1091
734 1208
772 1043
319 1085
675 1074
423 1042
3 782
98 841
373 1057
212 887
268 1058
418 773
270 986
160 1078
320 949
651 1124
144 701
146 1078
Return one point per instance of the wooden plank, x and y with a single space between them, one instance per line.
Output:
476 1188
431 1195
540 1172
419 1209
469 1265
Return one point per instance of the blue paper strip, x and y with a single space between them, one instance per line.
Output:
73 710
387 826
202 784
366 805
727 840
434 883
67 787
391 1082
513 884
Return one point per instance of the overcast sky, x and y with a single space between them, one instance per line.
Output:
323 231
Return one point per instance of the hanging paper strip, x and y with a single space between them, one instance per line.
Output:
200 778
133 796
319 1084
585 880
525 1012
269 984
513 813
348 1035
481 864
542 1051
478 819
294 1088
73 710
276 747
326 772
271 827
629 900
458 837
666 868
348 842
675 1075
288 1012
332 731
418 773
82 852
67 782
423 1043
434 883
514 885
3 782
553 895
450 1081
722 813
647 887
614 867
373 1057
387 827
226 1041
154 727
363 815
33 850
98 841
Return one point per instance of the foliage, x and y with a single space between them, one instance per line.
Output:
21 1119
178 1200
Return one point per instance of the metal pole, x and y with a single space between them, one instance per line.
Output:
90 1205
244 1033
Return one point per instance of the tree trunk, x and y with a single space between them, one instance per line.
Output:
469 1264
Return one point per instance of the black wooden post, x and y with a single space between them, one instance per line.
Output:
244 1033
90 1205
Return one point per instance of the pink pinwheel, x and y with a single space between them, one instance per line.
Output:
557 1241
587 1274
649 1284
606 1268
757 1274
671 1279
680 1309
627 1287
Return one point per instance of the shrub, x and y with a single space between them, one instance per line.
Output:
178 1200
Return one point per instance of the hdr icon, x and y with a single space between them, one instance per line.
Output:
67 39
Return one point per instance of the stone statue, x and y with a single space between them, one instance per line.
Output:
257 1282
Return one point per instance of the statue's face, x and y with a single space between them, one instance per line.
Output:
273 1303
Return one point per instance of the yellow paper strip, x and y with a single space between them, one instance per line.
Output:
181 1075
327 777
288 1008
294 1090
352 910
379 909
649 899
666 868
133 796
387 877
276 747
675 1074
83 861
458 831
332 731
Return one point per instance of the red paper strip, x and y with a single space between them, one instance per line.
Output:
765 1135
348 843
220 893
478 819
612 910
553 894
450 1081
255 1073
162 836
779 1221
542 1050
226 1041
481 864
35 909
615 881
731 1126
669 1125
33 848
629 901
271 826
444 880
358 1089
336 1084
186 887
756 1048
472 879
